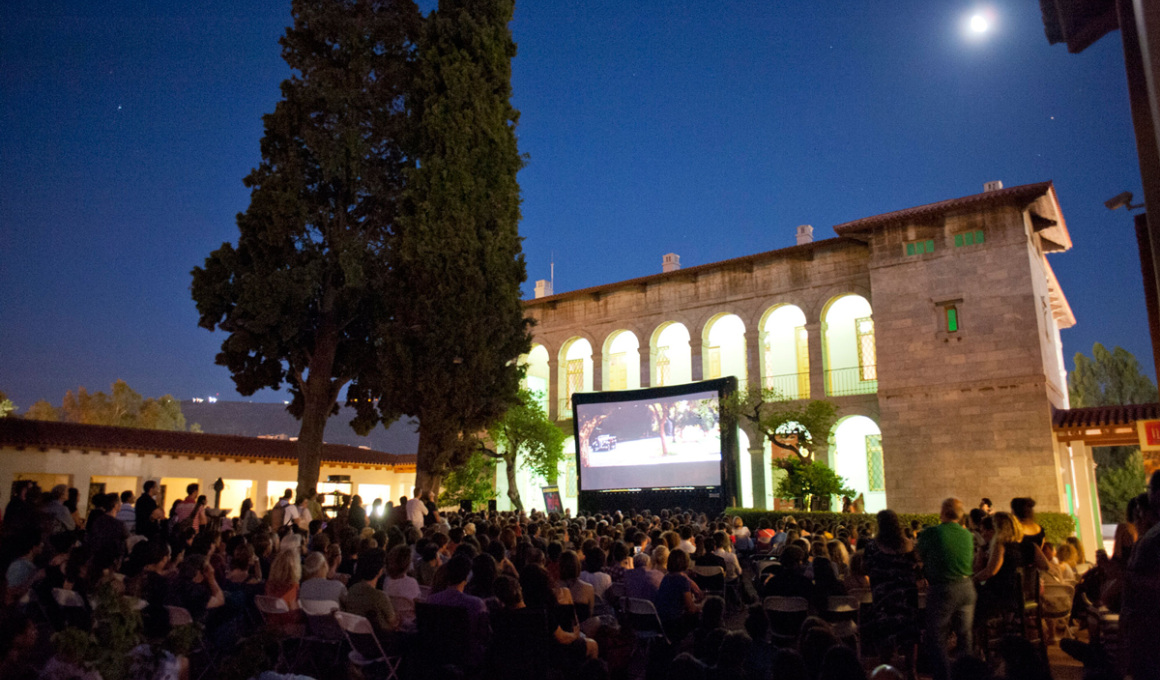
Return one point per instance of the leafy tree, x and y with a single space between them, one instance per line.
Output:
458 264
122 407
526 437
7 408
473 481
809 483
304 295
791 425
1111 378
42 410
1118 485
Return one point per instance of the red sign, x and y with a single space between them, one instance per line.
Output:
1149 431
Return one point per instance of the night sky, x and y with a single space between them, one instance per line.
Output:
709 129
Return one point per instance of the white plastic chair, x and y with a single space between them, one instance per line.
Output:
272 606
1056 603
321 627
361 636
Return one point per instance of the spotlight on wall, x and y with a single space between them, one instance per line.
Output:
1123 200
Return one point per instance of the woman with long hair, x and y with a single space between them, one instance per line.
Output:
892 566
248 521
999 587
583 594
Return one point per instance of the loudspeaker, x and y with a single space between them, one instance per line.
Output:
464 506
491 506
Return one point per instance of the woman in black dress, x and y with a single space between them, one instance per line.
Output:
892 565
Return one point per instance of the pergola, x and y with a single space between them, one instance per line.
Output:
1077 431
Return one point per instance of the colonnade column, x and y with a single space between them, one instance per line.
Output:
646 358
753 338
1085 498
757 465
696 356
553 388
597 371
814 332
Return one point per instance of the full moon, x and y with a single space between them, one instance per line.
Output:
979 24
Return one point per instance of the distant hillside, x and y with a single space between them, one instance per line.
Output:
254 420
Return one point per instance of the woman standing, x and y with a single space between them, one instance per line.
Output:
999 586
892 565
248 521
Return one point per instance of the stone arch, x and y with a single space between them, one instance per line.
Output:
783 347
849 354
855 453
723 350
620 355
815 309
670 359
538 372
574 377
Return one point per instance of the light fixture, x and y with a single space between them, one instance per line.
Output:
1123 200
979 24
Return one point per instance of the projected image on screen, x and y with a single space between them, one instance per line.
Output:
648 443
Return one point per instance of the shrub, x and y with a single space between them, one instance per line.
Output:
1057 525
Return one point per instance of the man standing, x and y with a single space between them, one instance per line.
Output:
60 516
149 515
416 510
185 508
1140 615
283 512
946 552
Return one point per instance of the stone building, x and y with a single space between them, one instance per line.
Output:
935 330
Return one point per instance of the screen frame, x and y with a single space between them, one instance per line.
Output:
645 496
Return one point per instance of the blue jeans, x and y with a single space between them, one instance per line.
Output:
943 602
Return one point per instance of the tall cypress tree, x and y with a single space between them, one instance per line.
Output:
459 322
304 293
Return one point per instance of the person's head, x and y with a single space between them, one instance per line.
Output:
458 568
713 612
1124 541
620 552
192 489
734 651
288 494
593 560
837 552
640 561
889 530
537 587
150 488
985 505
1067 554
507 591
1048 549
975 517
792 556
1023 509
242 557
286 569
815 643
398 561
720 540
660 557
484 571
1007 528
569 566
156 555
126 497
951 510
315 566
678 561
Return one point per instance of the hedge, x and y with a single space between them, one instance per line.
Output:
1057 525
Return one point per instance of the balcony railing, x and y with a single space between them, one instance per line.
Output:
843 382
790 386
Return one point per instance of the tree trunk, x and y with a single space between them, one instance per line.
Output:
319 394
513 491
661 416
434 445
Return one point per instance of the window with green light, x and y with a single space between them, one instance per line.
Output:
875 471
969 238
952 319
920 247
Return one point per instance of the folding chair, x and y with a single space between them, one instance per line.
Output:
786 615
321 628
644 621
842 615
865 598
366 650
180 616
711 580
405 608
613 595
269 607
74 610
1055 604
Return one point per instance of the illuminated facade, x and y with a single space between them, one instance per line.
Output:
935 330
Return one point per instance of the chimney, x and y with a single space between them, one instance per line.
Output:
805 234
543 288
670 262
992 186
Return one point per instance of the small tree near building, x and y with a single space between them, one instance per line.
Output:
525 437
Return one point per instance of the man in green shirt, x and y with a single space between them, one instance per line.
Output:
946 552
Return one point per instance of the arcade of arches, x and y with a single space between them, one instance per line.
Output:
779 355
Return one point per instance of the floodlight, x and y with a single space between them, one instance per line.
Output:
1123 200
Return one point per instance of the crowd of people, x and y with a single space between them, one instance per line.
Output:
944 589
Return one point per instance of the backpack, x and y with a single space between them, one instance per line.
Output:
278 516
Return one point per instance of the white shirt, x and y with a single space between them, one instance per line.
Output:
687 546
732 566
599 581
290 514
406 587
416 511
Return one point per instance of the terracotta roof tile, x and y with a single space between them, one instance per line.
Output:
17 432
1025 192
1097 416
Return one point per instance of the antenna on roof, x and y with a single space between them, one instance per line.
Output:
553 264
